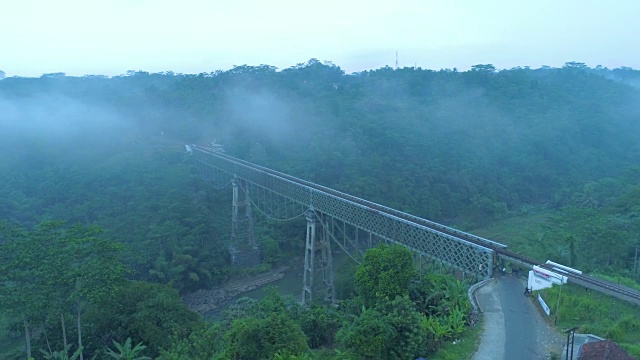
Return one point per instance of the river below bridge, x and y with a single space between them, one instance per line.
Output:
289 284
211 303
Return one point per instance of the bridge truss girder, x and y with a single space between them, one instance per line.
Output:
464 256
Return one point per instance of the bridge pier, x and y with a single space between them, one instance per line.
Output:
317 262
243 249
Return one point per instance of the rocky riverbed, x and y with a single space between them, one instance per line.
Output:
206 300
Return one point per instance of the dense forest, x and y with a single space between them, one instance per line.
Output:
102 206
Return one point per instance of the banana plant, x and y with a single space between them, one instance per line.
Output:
126 351
62 354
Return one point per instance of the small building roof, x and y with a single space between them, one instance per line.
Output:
603 350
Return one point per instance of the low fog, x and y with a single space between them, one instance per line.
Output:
61 119
462 130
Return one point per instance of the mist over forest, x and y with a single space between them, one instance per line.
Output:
465 148
440 144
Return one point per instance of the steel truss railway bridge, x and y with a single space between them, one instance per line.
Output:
354 225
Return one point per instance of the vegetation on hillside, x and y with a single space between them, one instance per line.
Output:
595 313
100 202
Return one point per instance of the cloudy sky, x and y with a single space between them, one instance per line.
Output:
191 36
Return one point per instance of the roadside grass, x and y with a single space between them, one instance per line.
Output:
596 314
464 348
622 280
523 234
528 235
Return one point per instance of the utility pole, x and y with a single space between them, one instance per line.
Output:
555 321
636 262
396 60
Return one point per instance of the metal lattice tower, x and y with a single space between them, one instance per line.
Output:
318 265
243 248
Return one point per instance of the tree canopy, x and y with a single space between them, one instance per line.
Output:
105 156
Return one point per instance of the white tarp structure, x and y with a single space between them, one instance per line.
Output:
563 268
544 305
540 278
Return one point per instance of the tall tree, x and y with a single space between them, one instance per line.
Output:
24 277
386 272
152 314
55 268
262 338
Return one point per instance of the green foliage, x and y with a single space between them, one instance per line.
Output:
285 355
272 302
535 142
202 344
600 239
275 303
345 278
596 313
443 302
271 252
54 268
127 352
258 329
393 330
385 272
426 313
189 270
261 338
320 325
367 336
408 340
10 340
62 354
465 348
634 350
439 295
145 312
242 307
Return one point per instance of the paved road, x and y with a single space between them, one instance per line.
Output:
514 329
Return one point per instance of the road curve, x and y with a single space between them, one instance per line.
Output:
514 328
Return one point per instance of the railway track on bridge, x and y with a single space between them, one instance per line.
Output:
499 249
